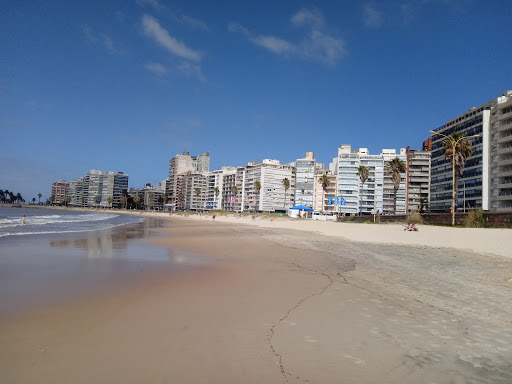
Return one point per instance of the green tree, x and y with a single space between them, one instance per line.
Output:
257 187
286 185
137 200
181 197
396 167
197 192
363 174
39 195
463 150
109 201
325 183
123 200
423 204
33 201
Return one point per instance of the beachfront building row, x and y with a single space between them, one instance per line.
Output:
60 192
486 179
96 189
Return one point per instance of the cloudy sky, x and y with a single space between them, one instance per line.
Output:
125 85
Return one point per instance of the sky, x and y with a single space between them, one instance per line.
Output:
126 85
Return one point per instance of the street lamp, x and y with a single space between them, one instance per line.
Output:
454 145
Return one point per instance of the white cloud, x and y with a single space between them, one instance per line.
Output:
157 68
192 22
274 44
372 17
101 39
155 31
305 17
317 45
191 69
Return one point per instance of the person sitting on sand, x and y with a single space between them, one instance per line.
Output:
413 228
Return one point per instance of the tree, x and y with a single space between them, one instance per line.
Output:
234 189
97 199
396 167
33 201
423 204
19 198
39 195
197 192
68 200
137 200
181 197
463 150
363 174
109 201
286 185
151 196
324 182
123 200
257 187
2 196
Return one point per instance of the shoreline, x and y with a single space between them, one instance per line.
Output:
488 241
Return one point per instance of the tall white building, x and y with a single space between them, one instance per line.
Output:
180 165
368 197
304 179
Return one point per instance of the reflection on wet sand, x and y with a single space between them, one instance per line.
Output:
113 242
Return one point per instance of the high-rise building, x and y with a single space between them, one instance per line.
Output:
418 178
304 180
320 195
501 154
60 192
120 188
376 194
181 164
487 174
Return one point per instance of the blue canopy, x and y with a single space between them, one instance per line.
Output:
302 208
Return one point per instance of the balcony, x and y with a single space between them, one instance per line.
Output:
505 116
505 161
505 126
505 149
505 138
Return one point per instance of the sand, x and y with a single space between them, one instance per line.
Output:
286 301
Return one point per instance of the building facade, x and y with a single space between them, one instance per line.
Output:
320 195
305 179
60 192
501 154
418 179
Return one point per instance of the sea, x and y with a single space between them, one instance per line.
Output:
59 255
47 221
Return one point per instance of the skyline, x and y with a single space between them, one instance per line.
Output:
127 86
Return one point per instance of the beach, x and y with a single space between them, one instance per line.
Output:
284 301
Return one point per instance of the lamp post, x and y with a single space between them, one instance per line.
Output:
454 145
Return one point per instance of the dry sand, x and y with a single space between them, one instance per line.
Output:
283 305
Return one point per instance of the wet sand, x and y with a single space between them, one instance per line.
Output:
276 306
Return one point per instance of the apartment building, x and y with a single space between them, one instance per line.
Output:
78 191
388 205
320 195
418 178
120 188
305 179
194 188
181 164
101 189
474 187
60 192
501 154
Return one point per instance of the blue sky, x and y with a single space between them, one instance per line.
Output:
126 85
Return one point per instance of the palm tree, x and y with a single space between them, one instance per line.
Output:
234 189
33 201
363 174
109 201
217 193
68 200
137 200
39 195
181 197
423 204
123 200
151 196
257 187
463 150
286 185
97 199
2 196
197 192
396 167
324 182
19 198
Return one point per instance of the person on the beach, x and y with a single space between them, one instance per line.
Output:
23 219
213 217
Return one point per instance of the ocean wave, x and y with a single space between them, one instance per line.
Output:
15 221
